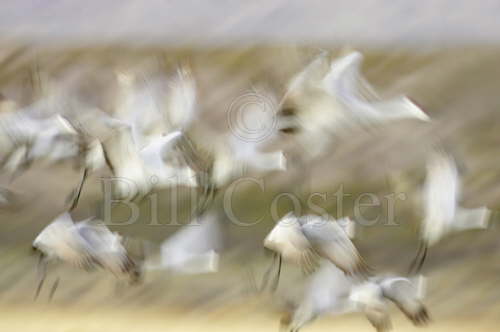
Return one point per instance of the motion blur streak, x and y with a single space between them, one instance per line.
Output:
288 167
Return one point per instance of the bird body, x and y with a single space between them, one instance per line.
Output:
304 239
86 245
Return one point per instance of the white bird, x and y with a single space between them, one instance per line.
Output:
141 145
28 136
165 164
194 249
330 291
237 157
87 245
327 101
442 211
58 142
346 84
304 240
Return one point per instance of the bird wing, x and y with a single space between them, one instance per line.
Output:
309 76
326 291
50 233
477 218
60 240
123 158
181 106
329 287
194 248
139 106
287 239
348 225
331 242
380 319
166 163
345 83
406 296
198 167
104 246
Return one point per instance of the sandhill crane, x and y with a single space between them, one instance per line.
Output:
330 291
304 240
440 201
87 245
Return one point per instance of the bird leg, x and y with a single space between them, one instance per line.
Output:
275 283
419 259
53 289
424 256
77 192
251 280
42 273
267 274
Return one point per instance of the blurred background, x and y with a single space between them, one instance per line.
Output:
443 54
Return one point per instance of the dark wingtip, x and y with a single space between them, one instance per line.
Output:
421 318
362 270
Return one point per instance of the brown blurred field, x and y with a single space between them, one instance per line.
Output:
458 88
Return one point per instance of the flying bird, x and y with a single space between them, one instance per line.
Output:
330 291
308 239
88 245
328 100
142 144
443 213
194 249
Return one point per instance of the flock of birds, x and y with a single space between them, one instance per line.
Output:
146 144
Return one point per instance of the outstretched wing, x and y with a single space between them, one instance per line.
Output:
287 239
104 246
138 105
406 296
194 248
333 243
122 156
181 106
477 218
352 91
